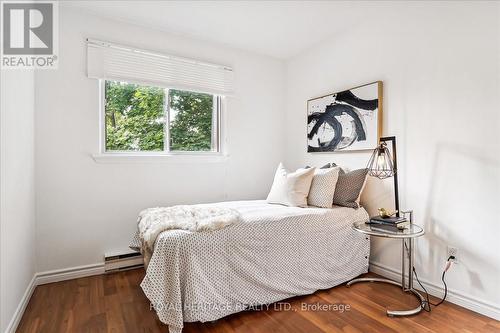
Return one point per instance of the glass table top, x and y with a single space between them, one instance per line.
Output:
409 231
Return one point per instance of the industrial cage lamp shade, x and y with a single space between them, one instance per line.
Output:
383 164
380 164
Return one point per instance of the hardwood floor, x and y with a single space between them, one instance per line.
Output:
115 303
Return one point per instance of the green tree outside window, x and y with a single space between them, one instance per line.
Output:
135 118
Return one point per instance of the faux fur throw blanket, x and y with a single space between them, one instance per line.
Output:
153 221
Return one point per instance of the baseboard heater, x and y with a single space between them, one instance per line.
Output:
122 260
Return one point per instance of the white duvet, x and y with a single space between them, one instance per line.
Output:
273 253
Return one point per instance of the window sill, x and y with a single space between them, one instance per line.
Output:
180 158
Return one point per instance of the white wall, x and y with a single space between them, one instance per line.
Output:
440 67
17 195
84 208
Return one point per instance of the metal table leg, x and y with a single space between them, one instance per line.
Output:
407 287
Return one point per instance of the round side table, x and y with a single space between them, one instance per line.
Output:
407 236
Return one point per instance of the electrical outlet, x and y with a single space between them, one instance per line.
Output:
453 251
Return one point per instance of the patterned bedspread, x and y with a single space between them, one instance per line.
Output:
274 253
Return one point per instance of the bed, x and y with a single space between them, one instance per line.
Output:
275 252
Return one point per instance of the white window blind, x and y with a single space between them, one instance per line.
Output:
121 63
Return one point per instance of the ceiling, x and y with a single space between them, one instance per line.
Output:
281 29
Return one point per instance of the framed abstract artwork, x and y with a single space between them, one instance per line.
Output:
346 120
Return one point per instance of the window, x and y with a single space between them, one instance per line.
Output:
154 119
140 117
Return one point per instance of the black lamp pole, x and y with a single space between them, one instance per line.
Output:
392 139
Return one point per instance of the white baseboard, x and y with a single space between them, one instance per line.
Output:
18 314
50 277
69 273
483 307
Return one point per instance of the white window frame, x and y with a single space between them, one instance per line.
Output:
217 154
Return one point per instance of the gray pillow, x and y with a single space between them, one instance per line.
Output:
349 187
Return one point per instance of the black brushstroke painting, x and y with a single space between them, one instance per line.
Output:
345 105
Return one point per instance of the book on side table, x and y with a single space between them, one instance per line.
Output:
388 223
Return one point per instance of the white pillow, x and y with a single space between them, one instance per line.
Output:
291 188
323 187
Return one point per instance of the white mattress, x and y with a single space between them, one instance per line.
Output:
274 253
